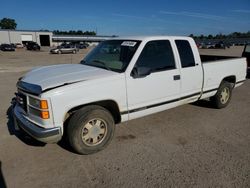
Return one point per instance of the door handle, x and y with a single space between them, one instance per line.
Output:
177 77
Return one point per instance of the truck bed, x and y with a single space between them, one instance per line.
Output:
215 71
211 58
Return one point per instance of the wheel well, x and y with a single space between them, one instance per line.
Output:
110 105
230 79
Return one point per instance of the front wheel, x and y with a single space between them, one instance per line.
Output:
90 129
223 95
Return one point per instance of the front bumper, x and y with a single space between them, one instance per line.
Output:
51 135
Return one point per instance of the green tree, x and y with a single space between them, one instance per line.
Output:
72 32
201 37
8 23
222 36
210 36
191 35
89 33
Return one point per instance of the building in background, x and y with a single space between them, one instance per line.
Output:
43 38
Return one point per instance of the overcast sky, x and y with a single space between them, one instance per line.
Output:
131 17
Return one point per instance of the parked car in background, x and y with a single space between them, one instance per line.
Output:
64 49
246 53
207 45
32 46
81 46
19 45
13 45
7 47
220 45
210 45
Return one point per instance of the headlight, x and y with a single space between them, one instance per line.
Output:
39 108
34 102
41 104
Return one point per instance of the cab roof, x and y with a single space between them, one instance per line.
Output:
156 37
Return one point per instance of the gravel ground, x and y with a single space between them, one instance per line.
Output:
189 146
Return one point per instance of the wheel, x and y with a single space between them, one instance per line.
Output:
223 95
90 129
74 51
59 52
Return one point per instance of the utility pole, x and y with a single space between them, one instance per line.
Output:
9 36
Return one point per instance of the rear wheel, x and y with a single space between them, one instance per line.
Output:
223 95
90 129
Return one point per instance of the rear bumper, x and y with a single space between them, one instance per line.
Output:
51 135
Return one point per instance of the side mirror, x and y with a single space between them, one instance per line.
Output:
140 72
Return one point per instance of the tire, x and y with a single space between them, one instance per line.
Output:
223 95
74 51
59 52
90 129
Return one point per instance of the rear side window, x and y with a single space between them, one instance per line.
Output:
247 49
186 53
157 55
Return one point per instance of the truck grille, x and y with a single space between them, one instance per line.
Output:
22 100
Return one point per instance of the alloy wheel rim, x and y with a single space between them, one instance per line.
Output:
224 96
94 132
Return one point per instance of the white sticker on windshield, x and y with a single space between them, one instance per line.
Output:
129 43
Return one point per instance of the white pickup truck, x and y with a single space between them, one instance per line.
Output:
121 79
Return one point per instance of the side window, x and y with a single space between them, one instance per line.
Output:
157 55
186 53
247 49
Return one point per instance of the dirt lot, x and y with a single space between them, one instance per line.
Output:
189 146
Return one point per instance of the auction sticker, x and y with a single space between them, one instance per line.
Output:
129 43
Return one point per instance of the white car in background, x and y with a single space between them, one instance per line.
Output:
19 45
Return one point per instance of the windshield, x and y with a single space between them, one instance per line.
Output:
113 55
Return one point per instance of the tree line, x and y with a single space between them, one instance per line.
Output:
222 36
8 23
72 32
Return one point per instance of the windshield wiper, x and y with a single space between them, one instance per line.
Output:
102 63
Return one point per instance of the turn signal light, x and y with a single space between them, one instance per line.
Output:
45 114
44 104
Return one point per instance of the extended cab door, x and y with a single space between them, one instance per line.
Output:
246 53
191 70
154 83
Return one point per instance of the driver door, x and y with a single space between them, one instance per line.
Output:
160 89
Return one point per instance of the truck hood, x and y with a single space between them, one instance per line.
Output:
49 77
